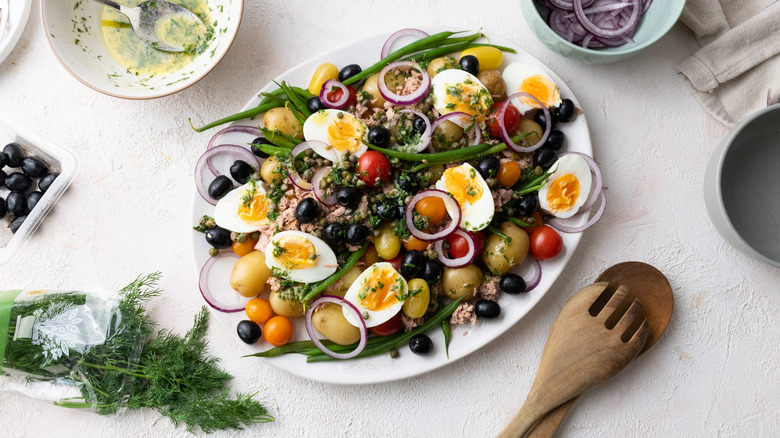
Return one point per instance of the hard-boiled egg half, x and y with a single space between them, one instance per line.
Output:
379 293
300 256
568 187
473 194
337 128
526 78
458 90
243 209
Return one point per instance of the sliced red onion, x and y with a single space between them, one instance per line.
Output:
560 226
327 88
318 193
460 261
251 130
535 277
450 204
598 181
599 23
399 34
313 332
213 301
508 138
460 116
425 137
319 147
407 99
231 149
604 31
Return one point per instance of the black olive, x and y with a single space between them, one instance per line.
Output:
307 210
3 208
17 222
527 204
565 111
421 344
512 284
556 140
349 196
487 309
220 187
412 263
218 237
379 136
240 171
419 124
545 157
384 210
406 182
249 331
14 154
258 152
356 234
3 175
32 200
17 203
541 120
488 167
314 104
3 160
470 63
348 71
34 167
333 234
400 212
18 182
432 271
46 182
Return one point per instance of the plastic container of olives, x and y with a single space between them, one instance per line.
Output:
57 158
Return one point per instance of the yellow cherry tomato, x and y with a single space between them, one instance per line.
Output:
278 330
259 310
387 245
489 57
325 72
419 297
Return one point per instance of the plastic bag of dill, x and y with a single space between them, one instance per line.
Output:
97 351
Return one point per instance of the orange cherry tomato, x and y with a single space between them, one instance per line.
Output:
432 207
538 222
259 310
242 249
278 330
412 243
509 173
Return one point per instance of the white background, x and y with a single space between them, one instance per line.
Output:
714 372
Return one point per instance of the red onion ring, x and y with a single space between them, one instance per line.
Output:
239 151
449 203
206 292
327 88
408 99
560 226
456 115
505 135
591 27
318 193
252 130
599 23
598 181
399 34
425 137
313 332
320 148
460 261
536 274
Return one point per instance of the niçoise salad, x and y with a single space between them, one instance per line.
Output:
380 203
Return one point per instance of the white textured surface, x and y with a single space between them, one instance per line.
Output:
714 373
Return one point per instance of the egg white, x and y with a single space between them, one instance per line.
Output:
374 317
226 210
515 73
326 262
576 166
448 78
477 215
316 128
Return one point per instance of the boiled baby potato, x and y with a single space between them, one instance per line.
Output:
371 87
461 282
499 256
494 83
268 170
441 64
329 320
283 120
250 274
284 305
340 287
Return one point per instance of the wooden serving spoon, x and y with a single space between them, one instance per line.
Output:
589 342
652 289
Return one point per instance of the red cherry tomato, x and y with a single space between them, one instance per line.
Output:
512 118
459 246
396 262
336 94
374 167
388 327
546 243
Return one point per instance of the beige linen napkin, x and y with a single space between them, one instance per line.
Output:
738 60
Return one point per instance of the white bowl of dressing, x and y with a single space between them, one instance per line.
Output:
97 46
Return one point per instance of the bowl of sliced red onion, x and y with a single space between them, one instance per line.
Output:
600 31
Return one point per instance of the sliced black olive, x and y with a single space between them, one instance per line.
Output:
379 136
541 120
17 203
32 200
18 182
314 104
34 167
306 210
356 234
17 222
432 271
421 345
240 171
412 263
258 152
527 204
249 331
333 234
556 140
14 154
470 63
566 111
220 187
545 157
406 182
3 208
488 167
348 71
487 309
512 284
349 196
218 237
46 182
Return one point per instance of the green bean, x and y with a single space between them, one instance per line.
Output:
446 156
477 155
445 329
432 54
519 222
295 99
533 185
252 112
277 139
501 48
351 260
271 150
496 231
292 347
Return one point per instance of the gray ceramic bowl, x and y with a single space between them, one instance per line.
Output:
742 186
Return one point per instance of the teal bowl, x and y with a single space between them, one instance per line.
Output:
655 23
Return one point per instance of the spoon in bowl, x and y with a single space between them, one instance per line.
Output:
145 17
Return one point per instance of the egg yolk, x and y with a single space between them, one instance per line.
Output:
468 97
462 183
346 133
380 289
563 192
253 208
295 252
541 88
